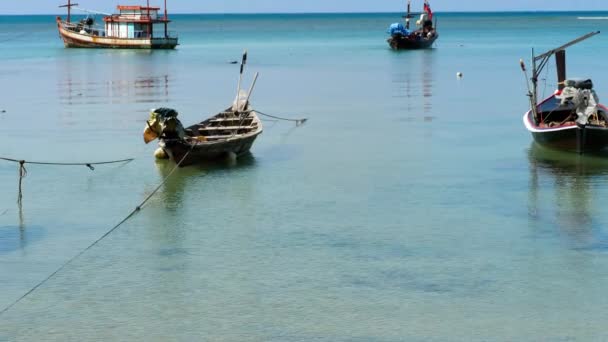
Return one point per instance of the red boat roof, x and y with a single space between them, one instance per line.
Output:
145 19
137 8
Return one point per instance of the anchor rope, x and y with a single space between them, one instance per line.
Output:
297 121
131 214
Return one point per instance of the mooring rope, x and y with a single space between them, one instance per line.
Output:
136 210
89 165
23 171
297 121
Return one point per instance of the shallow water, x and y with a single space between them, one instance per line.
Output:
411 206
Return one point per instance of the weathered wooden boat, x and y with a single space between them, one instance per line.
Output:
422 37
230 132
134 27
572 118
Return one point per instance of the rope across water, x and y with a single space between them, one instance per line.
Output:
89 165
23 170
297 121
133 212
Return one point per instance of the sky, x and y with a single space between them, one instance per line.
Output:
306 6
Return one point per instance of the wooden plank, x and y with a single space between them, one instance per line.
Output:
227 119
216 137
221 128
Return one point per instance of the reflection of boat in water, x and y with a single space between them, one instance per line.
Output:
561 184
560 163
425 34
132 28
175 186
413 81
231 132
571 119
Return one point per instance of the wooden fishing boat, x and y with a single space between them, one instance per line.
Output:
422 37
230 132
134 27
572 118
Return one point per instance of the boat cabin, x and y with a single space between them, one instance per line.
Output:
135 22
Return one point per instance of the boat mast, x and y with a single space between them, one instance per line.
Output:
166 36
69 6
560 65
533 95
407 16
238 85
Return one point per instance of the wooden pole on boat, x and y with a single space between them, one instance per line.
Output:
149 23
69 6
407 16
166 18
563 47
238 85
523 68
255 78
560 64
534 81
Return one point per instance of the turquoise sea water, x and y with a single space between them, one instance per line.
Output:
411 206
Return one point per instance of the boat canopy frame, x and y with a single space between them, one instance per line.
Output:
540 62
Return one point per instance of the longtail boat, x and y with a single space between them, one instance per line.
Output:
421 37
134 27
571 119
231 131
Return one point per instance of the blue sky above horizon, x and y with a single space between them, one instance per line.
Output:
307 6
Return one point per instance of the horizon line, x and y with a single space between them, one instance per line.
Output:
340 12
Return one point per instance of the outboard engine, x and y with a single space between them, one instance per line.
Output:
580 94
163 123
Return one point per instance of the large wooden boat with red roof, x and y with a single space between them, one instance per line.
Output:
134 27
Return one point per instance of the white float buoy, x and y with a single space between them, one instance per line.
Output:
459 74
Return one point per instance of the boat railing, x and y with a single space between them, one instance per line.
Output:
155 35
170 34
100 32
86 30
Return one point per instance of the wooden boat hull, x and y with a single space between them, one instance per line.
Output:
72 39
225 133
399 42
571 137
206 151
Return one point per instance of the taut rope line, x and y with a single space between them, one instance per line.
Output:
137 209
297 121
